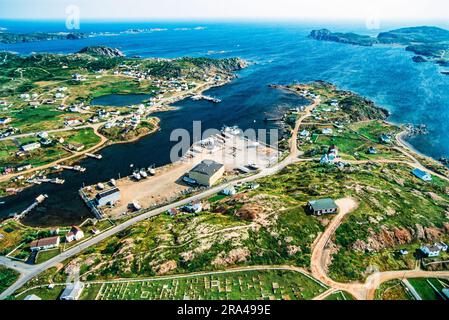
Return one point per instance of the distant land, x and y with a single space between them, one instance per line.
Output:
428 43
11 38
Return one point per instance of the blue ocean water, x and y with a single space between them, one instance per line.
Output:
280 53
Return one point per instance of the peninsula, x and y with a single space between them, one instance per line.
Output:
428 43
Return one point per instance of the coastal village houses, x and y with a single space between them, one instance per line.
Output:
45 244
75 234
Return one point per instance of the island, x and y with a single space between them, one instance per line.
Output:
348 212
10 38
428 43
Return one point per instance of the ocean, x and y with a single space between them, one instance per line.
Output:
279 52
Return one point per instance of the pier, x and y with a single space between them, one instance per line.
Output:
91 205
38 201
94 156
75 168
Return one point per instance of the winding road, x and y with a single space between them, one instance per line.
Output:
320 251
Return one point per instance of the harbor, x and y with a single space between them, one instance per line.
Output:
64 205
151 187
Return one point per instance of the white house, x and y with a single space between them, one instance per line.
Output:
75 234
4 121
430 251
31 146
72 291
327 131
43 135
45 244
72 122
230 191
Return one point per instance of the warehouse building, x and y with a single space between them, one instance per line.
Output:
108 197
207 172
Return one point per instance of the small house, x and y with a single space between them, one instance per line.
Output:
45 244
4 121
384 138
75 234
327 131
24 167
31 146
76 146
229 191
322 207
194 207
422 175
304 133
72 291
173 212
32 297
372 150
430 251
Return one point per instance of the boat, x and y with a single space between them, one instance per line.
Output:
79 168
152 170
57 181
143 174
136 205
95 156
137 176
253 166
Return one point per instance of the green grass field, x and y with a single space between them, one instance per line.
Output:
251 285
46 255
7 278
429 289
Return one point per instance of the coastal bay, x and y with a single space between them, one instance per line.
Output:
247 99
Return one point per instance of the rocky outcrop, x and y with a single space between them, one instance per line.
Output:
419 59
102 51
393 237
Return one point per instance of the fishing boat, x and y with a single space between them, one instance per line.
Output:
137 176
152 170
143 174
136 205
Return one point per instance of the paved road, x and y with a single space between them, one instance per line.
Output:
37 269
16 265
